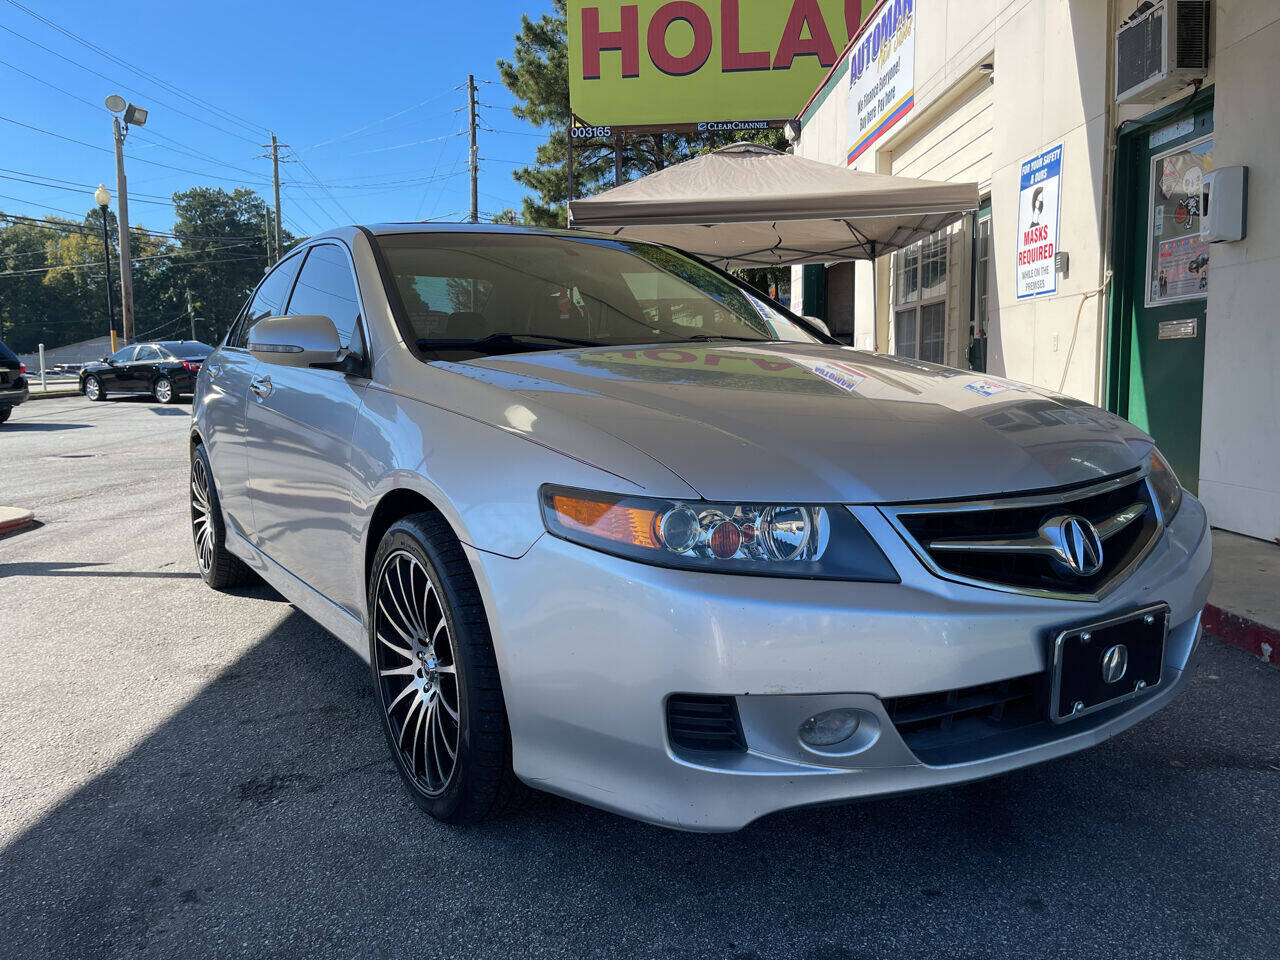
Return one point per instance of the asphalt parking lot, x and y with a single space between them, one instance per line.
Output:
185 773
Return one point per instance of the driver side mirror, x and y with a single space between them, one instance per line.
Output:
296 341
820 324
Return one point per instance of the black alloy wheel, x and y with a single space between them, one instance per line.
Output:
219 568
436 675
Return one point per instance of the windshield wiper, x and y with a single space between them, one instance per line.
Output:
504 340
706 337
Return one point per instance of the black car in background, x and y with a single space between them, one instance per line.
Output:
13 382
163 369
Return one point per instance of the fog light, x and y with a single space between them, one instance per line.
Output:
829 727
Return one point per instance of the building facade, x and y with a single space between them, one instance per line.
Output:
1085 270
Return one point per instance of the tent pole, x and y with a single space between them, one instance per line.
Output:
875 302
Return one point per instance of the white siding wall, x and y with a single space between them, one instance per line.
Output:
1240 440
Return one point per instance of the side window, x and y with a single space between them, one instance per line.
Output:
269 299
325 288
123 355
147 352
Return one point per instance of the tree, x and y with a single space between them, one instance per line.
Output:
538 77
53 279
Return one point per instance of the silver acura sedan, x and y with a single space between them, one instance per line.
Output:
607 523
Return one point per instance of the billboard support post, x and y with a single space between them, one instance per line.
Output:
569 162
617 158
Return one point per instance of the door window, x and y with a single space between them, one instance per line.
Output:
1177 259
123 355
920 300
326 288
268 300
147 352
981 316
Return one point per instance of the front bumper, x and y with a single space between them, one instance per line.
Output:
591 646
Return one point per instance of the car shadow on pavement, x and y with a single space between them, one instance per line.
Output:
58 568
38 426
265 818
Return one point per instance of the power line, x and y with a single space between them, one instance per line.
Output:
123 86
98 264
136 159
137 71
80 190
399 113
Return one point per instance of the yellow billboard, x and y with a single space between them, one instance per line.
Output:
710 64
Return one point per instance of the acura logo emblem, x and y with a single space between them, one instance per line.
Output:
1075 544
1114 663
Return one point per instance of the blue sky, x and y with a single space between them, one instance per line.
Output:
370 97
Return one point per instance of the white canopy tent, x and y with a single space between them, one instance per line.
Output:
746 205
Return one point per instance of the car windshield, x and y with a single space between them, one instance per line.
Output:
502 293
7 354
191 350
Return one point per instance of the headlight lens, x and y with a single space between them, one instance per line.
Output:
1164 485
777 540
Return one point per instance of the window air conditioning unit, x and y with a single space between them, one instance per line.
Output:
1161 50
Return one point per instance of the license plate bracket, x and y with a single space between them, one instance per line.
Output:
1100 664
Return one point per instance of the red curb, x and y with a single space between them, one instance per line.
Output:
1249 635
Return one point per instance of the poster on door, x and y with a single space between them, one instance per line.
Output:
1039 196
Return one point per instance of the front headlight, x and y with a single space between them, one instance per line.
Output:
1164 486
771 539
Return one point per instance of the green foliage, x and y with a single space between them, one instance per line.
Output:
53 278
538 77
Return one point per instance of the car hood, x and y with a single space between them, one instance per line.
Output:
817 423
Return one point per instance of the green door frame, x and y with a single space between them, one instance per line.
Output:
1158 388
1127 205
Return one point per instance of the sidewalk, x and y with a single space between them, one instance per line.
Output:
1244 605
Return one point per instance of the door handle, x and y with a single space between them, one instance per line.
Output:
262 387
215 369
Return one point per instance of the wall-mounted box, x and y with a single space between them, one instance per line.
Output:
1224 199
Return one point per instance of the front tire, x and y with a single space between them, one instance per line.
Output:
434 668
93 389
219 567
5 411
163 390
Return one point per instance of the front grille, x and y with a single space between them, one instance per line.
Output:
701 723
952 725
1020 518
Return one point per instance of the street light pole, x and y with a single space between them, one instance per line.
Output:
122 217
137 116
103 197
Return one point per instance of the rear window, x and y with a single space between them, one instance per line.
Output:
189 351
7 354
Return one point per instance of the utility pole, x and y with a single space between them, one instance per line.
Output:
122 215
475 156
617 158
275 179
191 314
266 226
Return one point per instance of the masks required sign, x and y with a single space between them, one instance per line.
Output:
1039 196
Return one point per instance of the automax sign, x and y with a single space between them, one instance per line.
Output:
882 66
1039 200
702 62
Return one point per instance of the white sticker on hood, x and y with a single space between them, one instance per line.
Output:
987 388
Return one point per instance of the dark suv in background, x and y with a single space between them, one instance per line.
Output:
13 382
163 369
